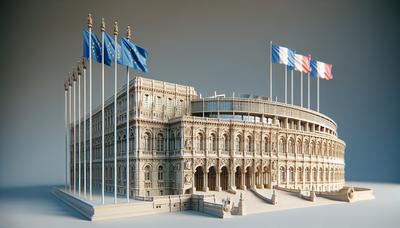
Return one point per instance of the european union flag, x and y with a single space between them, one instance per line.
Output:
96 46
123 56
136 55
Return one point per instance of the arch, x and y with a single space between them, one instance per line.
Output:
266 144
147 142
299 175
332 175
315 174
225 141
306 147
199 179
326 174
238 143
147 176
248 177
308 174
160 142
321 174
160 173
238 178
258 176
325 149
172 142
200 141
266 176
291 174
249 143
312 145
319 148
214 144
212 178
224 178
291 146
299 147
282 145
282 174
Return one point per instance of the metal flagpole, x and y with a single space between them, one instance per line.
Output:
69 131
301 88
291 84
115 109
74 78
308 87
317 93
79 128
102 29
285 84
66 132
84 127
270 70
90 25
128 36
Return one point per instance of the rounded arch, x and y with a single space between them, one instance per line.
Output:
212 178
213 141
199 178
200 141
238 142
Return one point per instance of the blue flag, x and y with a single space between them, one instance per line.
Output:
137 56
96 46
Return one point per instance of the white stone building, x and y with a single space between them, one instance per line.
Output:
180 143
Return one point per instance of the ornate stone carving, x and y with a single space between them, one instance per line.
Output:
188 164
188 179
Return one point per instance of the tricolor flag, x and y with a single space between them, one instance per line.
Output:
302 63
282 55
321 70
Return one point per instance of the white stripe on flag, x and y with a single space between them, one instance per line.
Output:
284 55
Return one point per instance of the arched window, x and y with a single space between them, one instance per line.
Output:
319 148
225 139
147 173
299 175
332 175
291 174
321 174
160 173
291 146
282 175
266 145
160 142
213 142
312 148
325 149
147 100
147 142
281 145
306 147
200 141
308 174
299 147
315 174
326 174
172 142
238 143
249 143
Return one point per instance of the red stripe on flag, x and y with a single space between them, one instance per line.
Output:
306 64
328 72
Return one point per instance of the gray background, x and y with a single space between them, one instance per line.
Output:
213 46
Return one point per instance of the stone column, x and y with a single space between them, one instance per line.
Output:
218 180
206 179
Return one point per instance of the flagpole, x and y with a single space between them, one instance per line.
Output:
69 130
66 132
301 88
285 84
79 128
90 25
84 128
291 84
103 27
115 109
308 92
270 70
128 36
317 93
74 126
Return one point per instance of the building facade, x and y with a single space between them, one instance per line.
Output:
180 143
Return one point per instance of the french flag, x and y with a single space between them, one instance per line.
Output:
302 63
322 70
282 55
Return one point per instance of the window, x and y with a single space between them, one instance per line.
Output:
226 142
160 173
315 174
249 143
147 100
291 146
200 141
282 174
238 143
298 149
299 175
147 142
147 173
266 147
213 142
281 146
160 142
291 174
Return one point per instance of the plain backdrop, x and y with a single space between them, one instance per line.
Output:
214 46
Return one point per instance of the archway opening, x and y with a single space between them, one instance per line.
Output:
199 179
238 178
224 178
212 178
248 175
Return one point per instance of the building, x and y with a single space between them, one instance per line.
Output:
181 143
